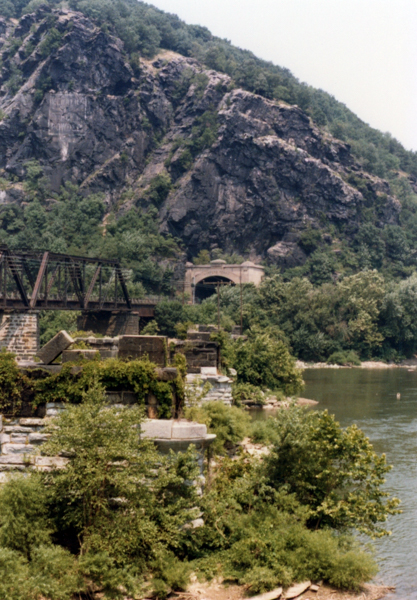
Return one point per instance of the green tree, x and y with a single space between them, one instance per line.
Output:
398 316
361 297
108 472
266 362
202 258
168 314
333 471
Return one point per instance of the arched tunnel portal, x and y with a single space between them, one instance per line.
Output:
208 286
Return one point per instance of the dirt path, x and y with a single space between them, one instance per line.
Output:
218 591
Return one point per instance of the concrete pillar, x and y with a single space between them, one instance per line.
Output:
19 333
110 324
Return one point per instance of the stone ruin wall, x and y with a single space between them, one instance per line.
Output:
20 440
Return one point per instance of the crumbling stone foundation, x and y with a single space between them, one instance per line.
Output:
199 353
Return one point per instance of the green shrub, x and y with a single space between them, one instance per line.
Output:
202 258
117 493
266 362
24 521
349 358
12 383
276 550
230 423
54 573
14 575
168 314
182 329
169 574
333 471
310 240
101 570
150 328
257 536
51 42
52 322
264 431
118 505
159 189
246 393
138 376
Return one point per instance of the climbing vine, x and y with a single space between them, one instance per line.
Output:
12 384
74 379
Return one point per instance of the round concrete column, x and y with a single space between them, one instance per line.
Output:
178 435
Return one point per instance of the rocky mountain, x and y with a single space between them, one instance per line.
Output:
225 168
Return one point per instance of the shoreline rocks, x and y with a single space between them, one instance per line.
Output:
368 364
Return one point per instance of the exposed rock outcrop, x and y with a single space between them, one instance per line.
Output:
250 175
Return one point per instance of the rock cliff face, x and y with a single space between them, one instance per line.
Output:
240 172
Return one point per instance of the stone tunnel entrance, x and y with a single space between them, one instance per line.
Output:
201 280
208 286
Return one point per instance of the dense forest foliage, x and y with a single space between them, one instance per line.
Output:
361 316
72 223
145 29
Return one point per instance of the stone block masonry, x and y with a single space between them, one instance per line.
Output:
19 441
198 353
136 346
220 388
55 347
19 333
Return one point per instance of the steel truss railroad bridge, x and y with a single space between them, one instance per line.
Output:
31 281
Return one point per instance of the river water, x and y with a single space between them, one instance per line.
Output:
369 399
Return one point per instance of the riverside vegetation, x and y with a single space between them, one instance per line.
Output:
114 522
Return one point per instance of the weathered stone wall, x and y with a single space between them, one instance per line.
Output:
136 346
19 441
220 388
198 353
19 333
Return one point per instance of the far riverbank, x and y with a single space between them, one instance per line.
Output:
368 364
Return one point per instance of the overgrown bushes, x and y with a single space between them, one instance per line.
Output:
333 471
112 520
72 382
266 362
108 522
257 536
230 423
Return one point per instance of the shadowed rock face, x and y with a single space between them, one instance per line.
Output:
265 175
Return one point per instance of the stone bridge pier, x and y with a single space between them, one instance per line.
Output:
19 333
110 324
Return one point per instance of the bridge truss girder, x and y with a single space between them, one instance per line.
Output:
51 281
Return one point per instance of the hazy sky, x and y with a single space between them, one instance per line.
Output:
363 52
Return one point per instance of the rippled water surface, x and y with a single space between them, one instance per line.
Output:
369 398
